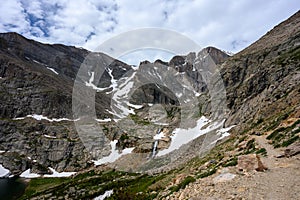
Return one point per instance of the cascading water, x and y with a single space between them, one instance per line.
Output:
155 145
154 148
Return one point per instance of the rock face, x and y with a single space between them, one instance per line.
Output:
38 79
263 79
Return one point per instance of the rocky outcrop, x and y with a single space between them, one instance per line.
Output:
38 79
250 162
263 80
292 150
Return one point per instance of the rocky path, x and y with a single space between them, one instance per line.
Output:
280 182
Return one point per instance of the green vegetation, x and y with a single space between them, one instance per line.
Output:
231 162
262 151
138 120
183 184
291 55
285 136
124 137
93 183
207 173
37 185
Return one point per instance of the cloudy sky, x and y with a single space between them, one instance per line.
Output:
229 25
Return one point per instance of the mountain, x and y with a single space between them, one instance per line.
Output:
36 102
52 108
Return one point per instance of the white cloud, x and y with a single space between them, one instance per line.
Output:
230 25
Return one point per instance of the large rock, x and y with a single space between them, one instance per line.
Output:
292 150
250 162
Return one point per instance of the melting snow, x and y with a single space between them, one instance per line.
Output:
49 136
223 132
107 193
59 174
3 171
40 117
38 62
183 136
120 97
27 174
53 70
178 95
159 136
103 120
114 155
114 82
197 94
91 84
135 106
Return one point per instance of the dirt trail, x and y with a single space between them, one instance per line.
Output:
280 182
270 160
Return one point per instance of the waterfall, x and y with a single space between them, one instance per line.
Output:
154 148
155 144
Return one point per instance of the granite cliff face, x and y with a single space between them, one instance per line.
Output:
36 83
263 80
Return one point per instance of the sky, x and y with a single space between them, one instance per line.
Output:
229 25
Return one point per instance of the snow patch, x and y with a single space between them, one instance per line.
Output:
223 132
114 82
41 117
103 120
27 174
114 155
183 136
197 94
38 62
91 84
107 193
1 151
120 97
4 172
159 136
59 174
135 106
53 70
179 95
49 136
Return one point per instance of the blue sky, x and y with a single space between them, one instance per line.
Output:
229 25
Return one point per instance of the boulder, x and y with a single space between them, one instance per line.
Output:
292 150
250 162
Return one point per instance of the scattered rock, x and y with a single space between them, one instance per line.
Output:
224 177
292 150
